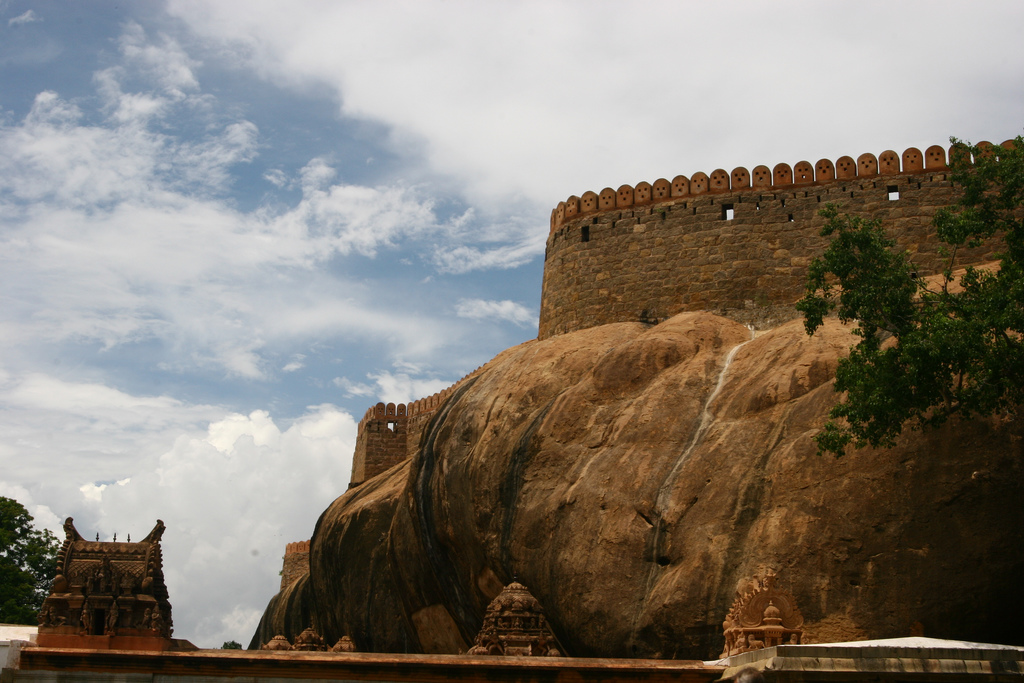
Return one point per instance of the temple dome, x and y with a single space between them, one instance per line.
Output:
514 624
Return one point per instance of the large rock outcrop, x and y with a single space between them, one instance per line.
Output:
594 468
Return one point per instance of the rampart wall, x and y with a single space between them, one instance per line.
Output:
735 243
390 433
296 562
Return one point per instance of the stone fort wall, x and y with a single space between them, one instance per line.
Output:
735 243
390 433
296 563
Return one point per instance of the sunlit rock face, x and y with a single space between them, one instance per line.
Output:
593 468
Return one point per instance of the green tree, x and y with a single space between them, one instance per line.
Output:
28 559
927 353
231 645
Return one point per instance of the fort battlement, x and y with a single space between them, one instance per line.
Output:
296 562
735 243
390 433
296 547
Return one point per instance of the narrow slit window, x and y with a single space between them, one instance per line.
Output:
894 192
392 425
790 218
728 212
585 233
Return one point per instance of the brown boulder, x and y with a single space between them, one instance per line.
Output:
586 465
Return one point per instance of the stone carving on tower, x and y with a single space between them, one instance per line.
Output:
108 595
515 625
763 617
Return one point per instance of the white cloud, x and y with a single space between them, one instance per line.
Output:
276 177
163 60
405 385
24 18
340 219
226 488
466 259
87 432
400 387
242 478
481 309
42 516
541 100
100 242
351 388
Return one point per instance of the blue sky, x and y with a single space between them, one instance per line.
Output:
228 228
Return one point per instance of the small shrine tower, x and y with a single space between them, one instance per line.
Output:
109 596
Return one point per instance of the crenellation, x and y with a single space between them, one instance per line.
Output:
737 243
390 433
296 563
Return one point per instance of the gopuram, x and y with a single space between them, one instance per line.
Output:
108 595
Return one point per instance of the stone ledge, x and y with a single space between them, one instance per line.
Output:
50 665
895 660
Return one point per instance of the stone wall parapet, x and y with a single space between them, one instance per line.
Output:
389 433
296 547
782 175
737 244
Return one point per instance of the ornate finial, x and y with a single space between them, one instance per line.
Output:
129 538
156 533
115 536
772 615
97 536
70 533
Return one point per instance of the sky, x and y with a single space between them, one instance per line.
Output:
227 229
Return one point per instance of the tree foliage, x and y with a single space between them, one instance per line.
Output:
28 559
927 352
